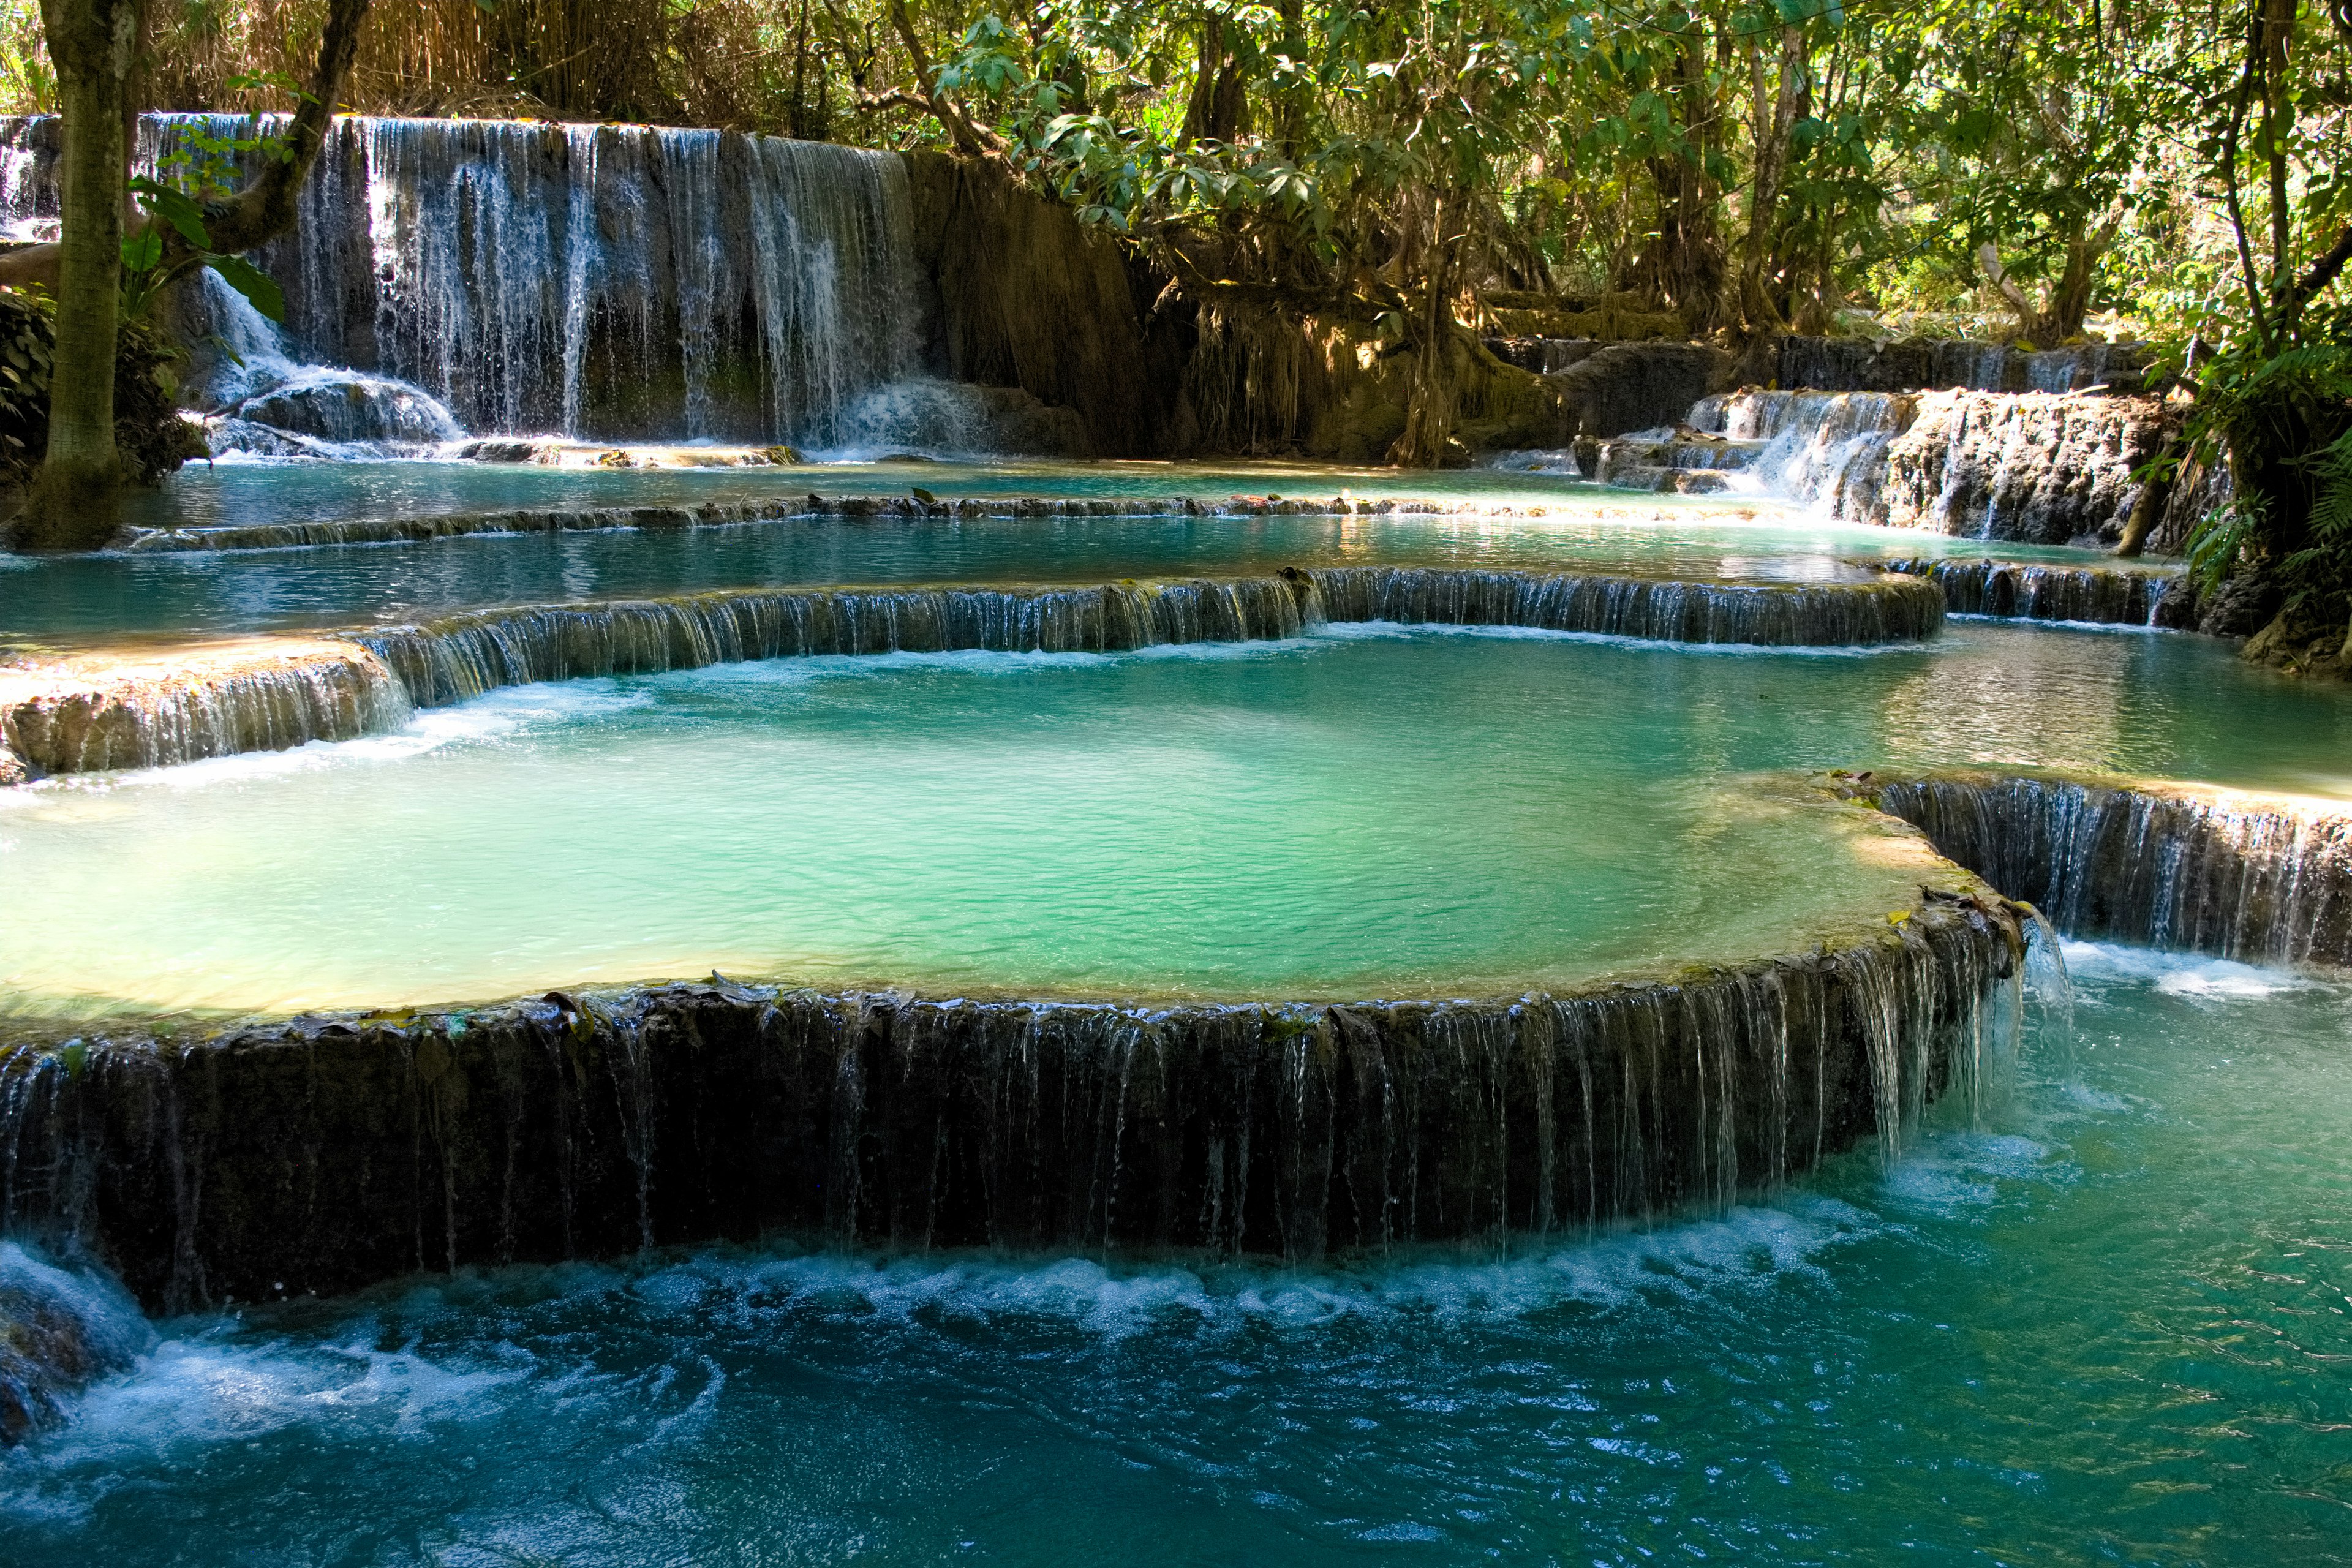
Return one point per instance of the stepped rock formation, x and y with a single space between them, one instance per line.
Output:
2109 596
1947 365
260 694
267 694
2031 468
328 1152
2263 879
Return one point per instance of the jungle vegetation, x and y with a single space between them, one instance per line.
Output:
2031 170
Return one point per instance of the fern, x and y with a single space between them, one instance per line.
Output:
2222 539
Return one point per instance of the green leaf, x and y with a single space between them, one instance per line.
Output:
252 283
143 251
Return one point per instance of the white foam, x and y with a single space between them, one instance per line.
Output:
2178 973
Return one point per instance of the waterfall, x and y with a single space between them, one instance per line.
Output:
1864 364
2244 877
612 281
2100 595
59 1327
272 693
2034 468
464 656
149 711
1777 615
576 1125
609 282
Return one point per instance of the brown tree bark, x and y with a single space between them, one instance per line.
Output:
1774 117
93 44
73 503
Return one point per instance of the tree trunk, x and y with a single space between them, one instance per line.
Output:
1775 121
72 501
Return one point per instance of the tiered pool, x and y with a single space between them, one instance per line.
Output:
2083 1314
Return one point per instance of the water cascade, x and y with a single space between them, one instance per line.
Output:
214 701
319 1155
2249 877
1776 615
465 656
267 694
2104 596
609 282
59 1327
2031 468
1864 364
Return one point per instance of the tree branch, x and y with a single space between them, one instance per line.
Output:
969 137
266 208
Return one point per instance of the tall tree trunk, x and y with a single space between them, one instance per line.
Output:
72 501
73 504
1774 119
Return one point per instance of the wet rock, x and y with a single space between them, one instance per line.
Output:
2176 610
2241 606
60 1328
2031 468
1637 386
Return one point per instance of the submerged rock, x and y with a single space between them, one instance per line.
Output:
60 1328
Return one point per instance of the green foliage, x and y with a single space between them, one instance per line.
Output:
150 433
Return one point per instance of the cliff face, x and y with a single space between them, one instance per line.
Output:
1029 298
2034 468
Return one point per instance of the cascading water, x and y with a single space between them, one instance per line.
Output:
270 695
571 1125
1791 615
2100 595
59 1327
2262 882
2031 467
612 281
605 282
210 703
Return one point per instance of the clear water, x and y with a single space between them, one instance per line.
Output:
249 493
1376 813
2111 1330
97 598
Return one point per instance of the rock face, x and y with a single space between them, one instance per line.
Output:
2033 468
335 1150
1637 386
1028 299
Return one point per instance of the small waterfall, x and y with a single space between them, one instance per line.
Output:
2029 466
569 1126
259 697
1944 365
2104 596
1775 614
1827 449
464 656
2263 881
59 1327
613 281
272 693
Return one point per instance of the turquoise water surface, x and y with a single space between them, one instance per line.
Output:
1365 812
102 598
2108 1328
